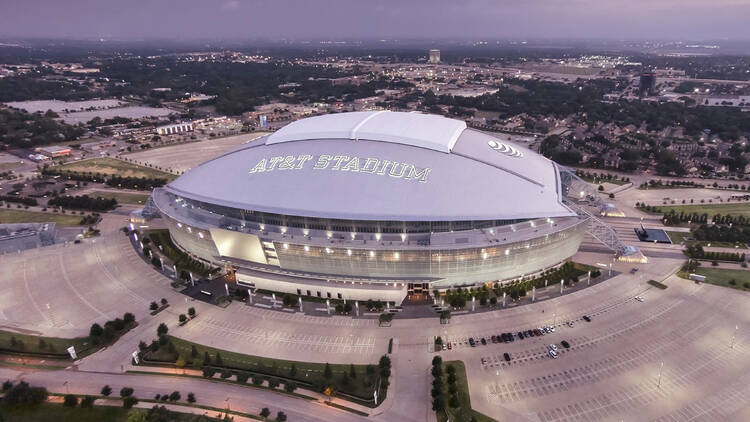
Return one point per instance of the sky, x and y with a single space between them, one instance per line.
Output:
377 19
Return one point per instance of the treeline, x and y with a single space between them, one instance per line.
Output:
697 252
672 218
672 183
180 259
19 129
84 202
717 233
19 199
127 182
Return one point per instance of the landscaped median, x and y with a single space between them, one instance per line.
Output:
450 393
56 348
354 383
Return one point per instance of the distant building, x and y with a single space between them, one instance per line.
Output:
647 84
434 56
54 151
175 128
97 145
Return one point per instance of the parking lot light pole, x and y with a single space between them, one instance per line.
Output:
299 300
561 286
734 335
658 384
533 293
503 299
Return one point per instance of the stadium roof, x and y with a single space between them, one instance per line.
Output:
380 166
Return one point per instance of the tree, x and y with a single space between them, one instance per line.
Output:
128 318
327 372
293 371
88 402
265 412
352 371
273 382
290 386
129 402
23 394
257 380
191 312
219 361
96 330
182 318
175 396
280 416
164 301
437 361
126 392
162 329
193 351
154 306
106 391
70 400
191 398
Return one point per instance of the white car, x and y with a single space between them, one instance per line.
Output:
639 299
553 354
553 347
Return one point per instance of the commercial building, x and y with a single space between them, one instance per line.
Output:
174 128
434 56
54 151
374 205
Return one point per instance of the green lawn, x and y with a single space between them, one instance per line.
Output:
52 345
722 277
306 372
122 197
464 412
111 166
735 209
678 237
12 215
53 412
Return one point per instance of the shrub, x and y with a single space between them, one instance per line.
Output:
226 373
162 329
437 360
209 372
191 312
128 318
265 412
191 398
281 416
183 317
290 386
257 380
126 392
164 301
175 396
327 372
106 391
154 306
96 330
7 385
129 402
23 394
88 402
273 382
70 400
242 377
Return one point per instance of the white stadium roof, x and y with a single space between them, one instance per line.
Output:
380 166
414 129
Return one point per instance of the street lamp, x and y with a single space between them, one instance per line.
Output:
658 384
734 335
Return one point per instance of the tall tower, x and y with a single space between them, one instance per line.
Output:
434 56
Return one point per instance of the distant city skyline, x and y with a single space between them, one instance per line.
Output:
342 19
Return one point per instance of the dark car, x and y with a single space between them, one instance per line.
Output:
565 344
494 339
520 335
538 332
586 318
484 342
471 342
510 337
506 356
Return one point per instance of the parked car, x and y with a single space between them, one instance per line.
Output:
553 347
520 335
586 318
449 346
639 299
506 356
484 342
553 354
445 347
565 344
494 339
471 342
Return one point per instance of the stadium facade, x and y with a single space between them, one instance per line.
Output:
374 205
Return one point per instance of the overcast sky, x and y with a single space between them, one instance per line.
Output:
376 19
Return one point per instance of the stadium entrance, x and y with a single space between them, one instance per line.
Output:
417 293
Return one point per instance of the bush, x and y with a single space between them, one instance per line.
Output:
257 380
183 318
265 412
209 372
154 306
175 396
126 392
96 330
128 318
242 377
23 394
226 373
88 402
162 329
437 360
273 382
106 391
7 385
281 416
129 402
191 398
70 400
290 386
191 312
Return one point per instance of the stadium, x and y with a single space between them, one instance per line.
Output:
375 205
